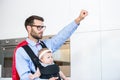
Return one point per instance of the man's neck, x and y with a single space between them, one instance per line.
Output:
33 39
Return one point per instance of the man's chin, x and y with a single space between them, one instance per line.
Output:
40 37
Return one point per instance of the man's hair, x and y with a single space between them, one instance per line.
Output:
30 20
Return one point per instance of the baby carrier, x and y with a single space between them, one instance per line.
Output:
46 72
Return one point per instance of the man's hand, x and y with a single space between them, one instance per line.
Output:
35 75
53 78
82 15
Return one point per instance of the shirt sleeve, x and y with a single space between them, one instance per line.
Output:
22 64
56 41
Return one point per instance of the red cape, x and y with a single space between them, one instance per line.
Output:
15 75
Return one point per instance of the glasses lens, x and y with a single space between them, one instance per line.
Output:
39 27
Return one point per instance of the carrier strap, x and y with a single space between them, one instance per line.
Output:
45 71
33 57
43 44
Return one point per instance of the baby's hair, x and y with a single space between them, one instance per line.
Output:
43 51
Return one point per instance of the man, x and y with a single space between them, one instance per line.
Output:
35 28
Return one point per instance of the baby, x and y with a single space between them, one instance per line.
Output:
46 58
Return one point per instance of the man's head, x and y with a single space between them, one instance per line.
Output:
35 27
30 20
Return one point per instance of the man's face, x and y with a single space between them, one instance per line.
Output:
37 29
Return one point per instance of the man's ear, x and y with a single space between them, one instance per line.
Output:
28 28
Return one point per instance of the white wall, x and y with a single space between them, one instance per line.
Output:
95 44
14 12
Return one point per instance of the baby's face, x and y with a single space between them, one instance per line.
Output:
47 58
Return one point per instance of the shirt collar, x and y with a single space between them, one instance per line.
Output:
32 43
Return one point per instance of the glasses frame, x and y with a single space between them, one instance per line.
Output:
39 27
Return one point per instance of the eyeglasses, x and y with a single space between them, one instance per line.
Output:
39 27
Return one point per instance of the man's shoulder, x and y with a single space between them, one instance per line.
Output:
22 43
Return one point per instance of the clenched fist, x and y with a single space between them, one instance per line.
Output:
82 15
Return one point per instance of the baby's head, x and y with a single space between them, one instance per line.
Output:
45 56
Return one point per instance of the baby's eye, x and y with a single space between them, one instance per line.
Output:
48 57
